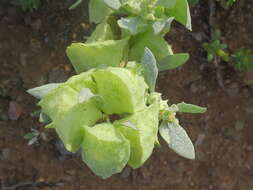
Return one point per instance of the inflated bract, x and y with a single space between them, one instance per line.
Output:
70 128
59 101
105 150
122 91
143 139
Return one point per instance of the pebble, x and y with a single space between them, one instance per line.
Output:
6 153
200 139
233 89
23 59
239 125
15 110
249 110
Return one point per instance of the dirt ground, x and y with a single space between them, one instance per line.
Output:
32 53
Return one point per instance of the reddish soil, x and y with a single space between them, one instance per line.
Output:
32 53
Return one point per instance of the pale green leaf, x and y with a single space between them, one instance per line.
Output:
105 150
98 11
181 12
114 4
166 3
85 94
164 131
150 70
190 108
172 61
155 43
102 32
162 25
134 25
178 140
41 91
91 55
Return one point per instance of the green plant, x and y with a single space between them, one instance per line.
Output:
110 110
34 136
215 48
28 5
241 59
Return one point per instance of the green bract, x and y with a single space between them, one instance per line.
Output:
143 138
119 86
105 150
110 110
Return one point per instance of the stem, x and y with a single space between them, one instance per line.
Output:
75 4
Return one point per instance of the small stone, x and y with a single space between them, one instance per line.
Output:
200 139
239 125
15 110
6 153
23 59
249 110
233 89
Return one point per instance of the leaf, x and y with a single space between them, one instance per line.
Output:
98 11
105 150
166 3
102 32
181 12
44 118
87 56
130 125
50 126
190 108
162 25
73 6
40 92
164 131
85 94
33 140
115 4
83 80
150 70
133 24
172 61
155 43
177 139
31 135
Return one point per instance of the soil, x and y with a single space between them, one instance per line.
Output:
32 53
